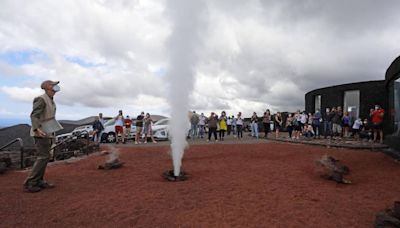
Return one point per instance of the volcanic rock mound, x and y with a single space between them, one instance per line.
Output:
332 169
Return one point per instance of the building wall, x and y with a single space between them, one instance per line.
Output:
371 93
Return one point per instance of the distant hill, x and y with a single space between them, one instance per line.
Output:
22 131
85 121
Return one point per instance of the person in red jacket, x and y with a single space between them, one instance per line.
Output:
128 126
377 115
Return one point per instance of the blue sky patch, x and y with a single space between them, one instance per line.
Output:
81 62
21 57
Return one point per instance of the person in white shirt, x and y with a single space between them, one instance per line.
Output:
201 125
233 119
356 128
229 124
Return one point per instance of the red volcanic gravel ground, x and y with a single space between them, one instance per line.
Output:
242 185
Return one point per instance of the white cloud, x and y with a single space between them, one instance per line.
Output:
21 93
256 55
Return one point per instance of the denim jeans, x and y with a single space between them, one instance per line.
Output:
327 128
254 130
193 130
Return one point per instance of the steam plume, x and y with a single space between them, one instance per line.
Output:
187 21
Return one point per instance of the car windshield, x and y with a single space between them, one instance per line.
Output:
162 122
109 123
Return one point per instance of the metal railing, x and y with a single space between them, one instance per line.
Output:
21 144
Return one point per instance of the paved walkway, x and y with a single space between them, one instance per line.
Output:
247 139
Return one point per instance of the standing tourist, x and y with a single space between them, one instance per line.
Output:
222 125
44 126
128 127
119 127
297 124
266 122
356 128
212 127
194 122
336 123
377 122
239 125
327 117
278 124
229 124
101 119
254 125
202 125
316 123
346 124
139 128
97 129
233 126
303 120
289 125
148 131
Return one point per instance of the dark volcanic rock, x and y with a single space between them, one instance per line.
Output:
389 218
332 169
169 176
114 164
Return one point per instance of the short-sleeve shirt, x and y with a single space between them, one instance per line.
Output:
376 116
139 121
128 123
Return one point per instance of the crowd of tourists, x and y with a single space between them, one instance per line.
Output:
336 124
123 127
332 124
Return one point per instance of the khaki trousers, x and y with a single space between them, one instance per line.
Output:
43 146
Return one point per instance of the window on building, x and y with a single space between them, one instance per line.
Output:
397 106
352 103
317 103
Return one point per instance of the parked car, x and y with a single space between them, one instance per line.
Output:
108 134
161 129
81 131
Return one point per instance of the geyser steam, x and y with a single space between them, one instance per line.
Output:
182 45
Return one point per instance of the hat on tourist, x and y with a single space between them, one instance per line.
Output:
48 82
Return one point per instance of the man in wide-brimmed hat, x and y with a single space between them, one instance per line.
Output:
43 131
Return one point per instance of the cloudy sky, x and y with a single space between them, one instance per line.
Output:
252 55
